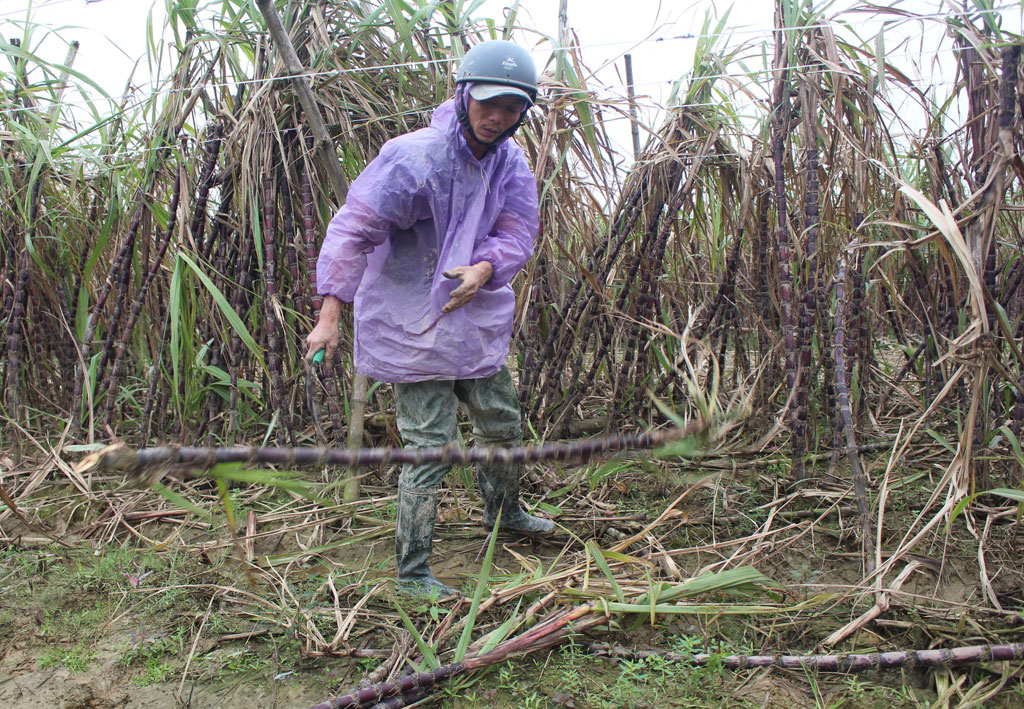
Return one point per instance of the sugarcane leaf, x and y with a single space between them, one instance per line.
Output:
550 509
502 631
958 510
421 645
174 317
942 441
229 506
742 578
179 500
226 310
1008 493
595 551
946 223
714 609
655 588
478 593
284 480
1014 442
625 558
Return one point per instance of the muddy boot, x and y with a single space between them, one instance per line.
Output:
499 486
414 538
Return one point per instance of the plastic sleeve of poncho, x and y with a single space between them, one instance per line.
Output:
383 196
509 245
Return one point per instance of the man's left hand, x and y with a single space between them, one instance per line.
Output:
472 278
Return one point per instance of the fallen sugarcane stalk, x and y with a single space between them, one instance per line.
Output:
400 692
121 458
558 627
843 662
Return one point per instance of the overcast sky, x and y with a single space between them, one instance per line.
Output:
658 34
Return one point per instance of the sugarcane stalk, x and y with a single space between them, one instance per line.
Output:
855 353
93 322
113 323
648 300
309 239
549 634
844 662
234 348
808 306
212 147
780 130
297 285
16 324
846 416
146 420
579 306
536 325
653 235
726 288
641 270
409 684
271 322
140 297
119 457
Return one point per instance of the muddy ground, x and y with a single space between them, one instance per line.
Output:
156 613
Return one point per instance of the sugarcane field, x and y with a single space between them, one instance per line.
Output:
511 353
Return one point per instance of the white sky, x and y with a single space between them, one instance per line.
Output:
113 33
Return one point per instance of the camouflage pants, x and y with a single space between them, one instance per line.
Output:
426 416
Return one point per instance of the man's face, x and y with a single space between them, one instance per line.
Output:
491 118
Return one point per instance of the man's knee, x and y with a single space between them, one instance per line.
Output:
427 475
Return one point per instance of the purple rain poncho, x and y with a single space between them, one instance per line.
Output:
423 205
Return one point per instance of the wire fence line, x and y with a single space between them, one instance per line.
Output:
814 68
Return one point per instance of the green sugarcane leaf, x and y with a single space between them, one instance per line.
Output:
229 506
550 509
502 631
743 579
226 310
653 593
958 510
942 441
595 551
478 593
1008 493
174 316
626 558
1014 442
712 609
421 645
179 500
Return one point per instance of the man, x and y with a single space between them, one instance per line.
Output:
433 231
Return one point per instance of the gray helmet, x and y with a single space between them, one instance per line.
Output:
499 62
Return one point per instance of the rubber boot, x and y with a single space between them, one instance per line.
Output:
414 539
499 486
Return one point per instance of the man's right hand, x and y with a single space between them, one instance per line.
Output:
324 336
